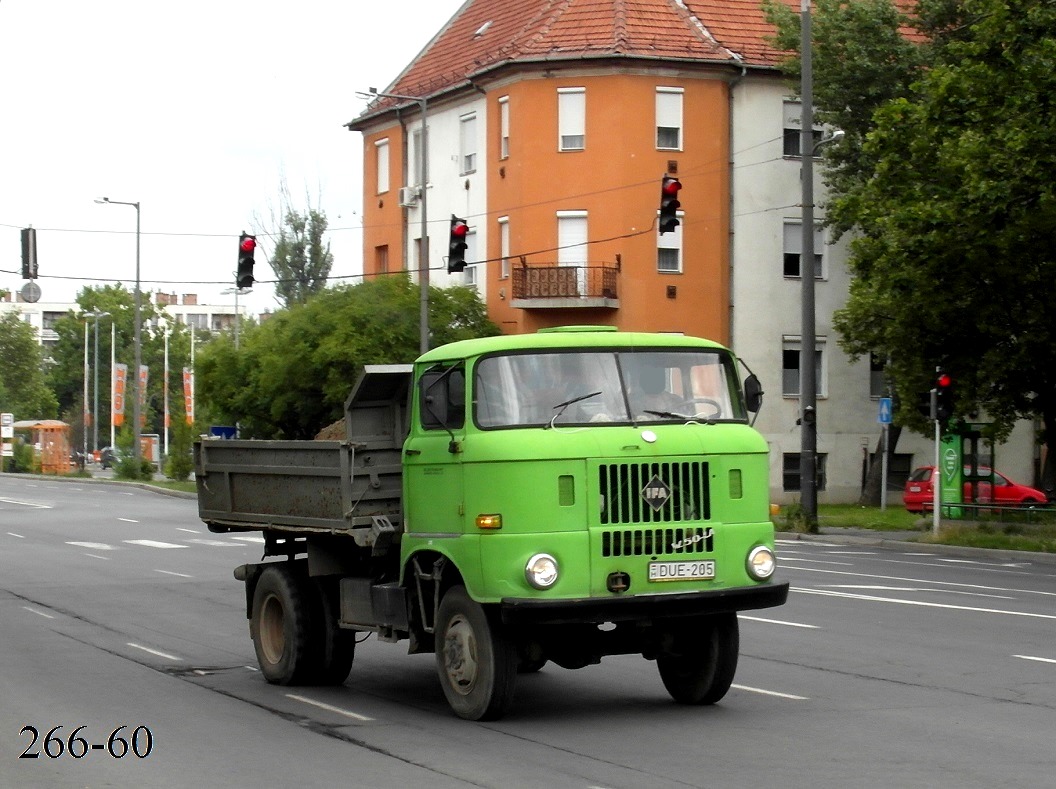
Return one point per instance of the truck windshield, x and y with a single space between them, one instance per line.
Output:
606 386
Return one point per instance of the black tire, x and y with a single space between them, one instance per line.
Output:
281 627
699 668
477 665
334 646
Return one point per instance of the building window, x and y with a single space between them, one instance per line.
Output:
793 123
197 320
381 150
504 127
472 273
51 318
419 253
793 243
381 259
572 249
571 118
877 376
467 139
669 250
669 119
790 366
790 476
504 246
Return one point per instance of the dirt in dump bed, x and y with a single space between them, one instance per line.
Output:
334 432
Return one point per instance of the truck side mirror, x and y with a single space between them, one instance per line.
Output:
753 393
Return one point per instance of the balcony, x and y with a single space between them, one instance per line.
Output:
543 286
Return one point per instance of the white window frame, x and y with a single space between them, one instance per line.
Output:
670 240
472 273
467 144
504 127
504 247
381 158
669 115
791 389
571 119
792 141
792 244
417 177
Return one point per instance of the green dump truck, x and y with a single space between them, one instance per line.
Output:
511 501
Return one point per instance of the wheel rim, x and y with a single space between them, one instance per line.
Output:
272 629
460 655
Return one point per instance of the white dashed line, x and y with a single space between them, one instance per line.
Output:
329 708
154 544
1036 659
771 693
38 613
153 651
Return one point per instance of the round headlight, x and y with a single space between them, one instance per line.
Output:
541 571
761 563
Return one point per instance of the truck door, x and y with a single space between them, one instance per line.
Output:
433 484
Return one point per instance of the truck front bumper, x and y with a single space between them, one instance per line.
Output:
527 611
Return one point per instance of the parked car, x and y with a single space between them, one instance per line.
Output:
918 490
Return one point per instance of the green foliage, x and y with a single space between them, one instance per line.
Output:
23 387
301 260
179 464
24 459
951 195
126 467
293 373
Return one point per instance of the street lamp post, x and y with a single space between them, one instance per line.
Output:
238 316
423 253
95 398
137 340
808 390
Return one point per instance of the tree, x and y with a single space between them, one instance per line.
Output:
300 260
953 205
23 383
292 373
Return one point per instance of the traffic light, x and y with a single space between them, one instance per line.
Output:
945 397
456 253
29 253
247 245
669 204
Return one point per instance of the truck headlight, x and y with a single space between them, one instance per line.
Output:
761 563
541 571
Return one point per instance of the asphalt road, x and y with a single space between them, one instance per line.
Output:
890 666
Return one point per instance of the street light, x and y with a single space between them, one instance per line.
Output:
137 342
423 254
95 399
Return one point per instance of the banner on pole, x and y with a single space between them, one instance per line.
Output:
144 373
188 394
118 385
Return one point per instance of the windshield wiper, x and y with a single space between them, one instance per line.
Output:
567 403
673 415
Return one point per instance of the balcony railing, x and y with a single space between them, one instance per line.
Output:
552 286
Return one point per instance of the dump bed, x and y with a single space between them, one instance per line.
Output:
338 487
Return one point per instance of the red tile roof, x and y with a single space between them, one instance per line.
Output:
485 34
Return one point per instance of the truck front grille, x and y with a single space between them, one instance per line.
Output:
654 492
656 542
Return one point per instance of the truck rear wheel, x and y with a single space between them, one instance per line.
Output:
281 628
699 667
477 664
336 646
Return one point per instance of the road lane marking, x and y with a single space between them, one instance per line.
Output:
922 604
1037 659
247 538
12 534
922 581
154 544
771 693
878 588
189 531
328 707
178 575
777 622
128 520
25 503
153 651
38 613
214 543
95 546
104 558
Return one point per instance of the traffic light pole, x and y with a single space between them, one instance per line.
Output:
808 393
936 480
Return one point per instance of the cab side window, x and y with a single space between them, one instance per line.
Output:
442 398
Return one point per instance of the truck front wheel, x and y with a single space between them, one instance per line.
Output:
280 627
477 664
699 666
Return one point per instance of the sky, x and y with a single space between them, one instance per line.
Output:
199 111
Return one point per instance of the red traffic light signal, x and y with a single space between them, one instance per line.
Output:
669 205
247 245
456 252
945 397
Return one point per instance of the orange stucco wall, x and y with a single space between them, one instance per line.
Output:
616 179
382 214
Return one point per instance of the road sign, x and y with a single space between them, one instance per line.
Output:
884 416
222 431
